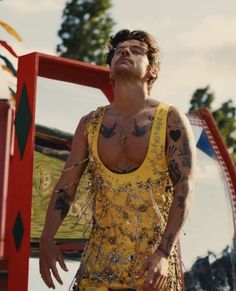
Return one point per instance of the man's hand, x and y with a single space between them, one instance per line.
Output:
49 255
156 269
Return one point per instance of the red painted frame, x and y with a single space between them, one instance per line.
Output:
204 118
6 121
19 190
20 171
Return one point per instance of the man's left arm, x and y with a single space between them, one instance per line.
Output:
180 155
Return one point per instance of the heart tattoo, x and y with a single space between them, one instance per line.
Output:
175 134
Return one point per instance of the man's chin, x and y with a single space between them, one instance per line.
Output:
123 71
123 61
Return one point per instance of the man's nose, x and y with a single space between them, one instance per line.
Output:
125 51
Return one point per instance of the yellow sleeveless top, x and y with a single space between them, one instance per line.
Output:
130 212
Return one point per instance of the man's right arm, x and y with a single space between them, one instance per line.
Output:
61 199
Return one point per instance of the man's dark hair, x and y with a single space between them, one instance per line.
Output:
153 52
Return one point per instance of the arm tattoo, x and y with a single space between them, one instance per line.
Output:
185 154
141 130
175 134
182 219
108 132
184 192
63 203
171 150
166 249
184 186
165 253
181 201
169 241
174 171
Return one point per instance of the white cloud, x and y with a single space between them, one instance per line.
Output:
33 6
214 31
23 49
202 54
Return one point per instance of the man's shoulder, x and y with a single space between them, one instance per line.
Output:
87 118
154 103
91 118
177 119
174 112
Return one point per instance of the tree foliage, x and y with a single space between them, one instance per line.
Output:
212 272
225 116
85 30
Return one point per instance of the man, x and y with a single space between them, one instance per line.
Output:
141 156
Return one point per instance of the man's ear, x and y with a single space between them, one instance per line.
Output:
151 72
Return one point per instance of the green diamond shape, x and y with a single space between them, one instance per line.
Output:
18 231
23 121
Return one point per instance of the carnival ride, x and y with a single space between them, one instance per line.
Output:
215 196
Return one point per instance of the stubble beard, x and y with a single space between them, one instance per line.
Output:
123 72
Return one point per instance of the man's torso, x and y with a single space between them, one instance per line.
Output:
123 139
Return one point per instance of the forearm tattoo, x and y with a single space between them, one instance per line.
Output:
63 203
174 171
166 247
184 153
164 252
182 199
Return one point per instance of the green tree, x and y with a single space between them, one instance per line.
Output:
225 116
201 98
85 30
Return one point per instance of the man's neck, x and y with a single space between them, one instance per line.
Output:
129 97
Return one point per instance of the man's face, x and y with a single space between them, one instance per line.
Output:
130 60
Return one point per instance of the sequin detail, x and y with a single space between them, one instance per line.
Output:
130 213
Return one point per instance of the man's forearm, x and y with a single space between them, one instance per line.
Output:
177 216
57 210
181 155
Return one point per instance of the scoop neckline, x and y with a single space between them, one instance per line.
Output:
133 173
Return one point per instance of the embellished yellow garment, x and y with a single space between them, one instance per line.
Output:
130 212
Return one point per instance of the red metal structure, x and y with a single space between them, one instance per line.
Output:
16 191
16 169
6 119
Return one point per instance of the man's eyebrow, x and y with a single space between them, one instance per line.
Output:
136 46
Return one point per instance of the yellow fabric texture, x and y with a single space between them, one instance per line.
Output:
130 212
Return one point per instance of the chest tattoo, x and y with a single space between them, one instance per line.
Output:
141 130
108 132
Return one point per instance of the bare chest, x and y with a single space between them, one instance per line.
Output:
123 142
